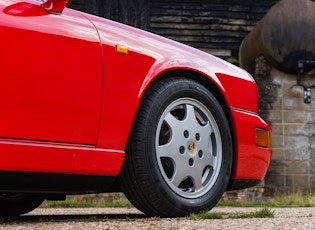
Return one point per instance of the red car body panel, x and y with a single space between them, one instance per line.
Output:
250 161
73 110
54 158
59 100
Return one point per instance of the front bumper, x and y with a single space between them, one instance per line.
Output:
250 160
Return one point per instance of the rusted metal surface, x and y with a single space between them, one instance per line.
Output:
285 35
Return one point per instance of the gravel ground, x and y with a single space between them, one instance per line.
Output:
121 218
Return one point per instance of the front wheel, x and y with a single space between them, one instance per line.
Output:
179 153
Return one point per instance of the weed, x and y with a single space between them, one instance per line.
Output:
206 215
121 202
263 213
68 204
292 200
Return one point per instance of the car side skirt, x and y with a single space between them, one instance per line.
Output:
41 157
54 183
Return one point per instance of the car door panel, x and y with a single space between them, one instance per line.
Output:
50 75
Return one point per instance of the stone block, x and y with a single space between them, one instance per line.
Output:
266 104
289 86
277 104
301 183
311 106
277 128
274 180
295 103
312 183
277 76
268 89
275 116
312 162
291 90
296 129
310 129
312 142
277 167
297 167
296 142
297 155
311 117
278 154
289 181
269 97
295 116
277 142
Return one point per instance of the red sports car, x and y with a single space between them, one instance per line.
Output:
89 105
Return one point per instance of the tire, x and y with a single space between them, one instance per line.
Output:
179 153
15 204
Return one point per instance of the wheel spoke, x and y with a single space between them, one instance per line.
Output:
173 123
199 167
171 148
190 119
196 176
180 173
207 147
167 150
208 160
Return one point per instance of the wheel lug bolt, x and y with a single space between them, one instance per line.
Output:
182 150
186 134
191 162
197 136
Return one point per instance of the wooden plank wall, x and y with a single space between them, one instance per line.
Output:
215 26
130 12
77 4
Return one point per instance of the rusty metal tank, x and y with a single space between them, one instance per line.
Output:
285 35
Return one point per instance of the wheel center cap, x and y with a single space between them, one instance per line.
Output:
191 147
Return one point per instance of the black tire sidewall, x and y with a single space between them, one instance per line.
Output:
174 90
23 203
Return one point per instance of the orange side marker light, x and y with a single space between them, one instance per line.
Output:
121 49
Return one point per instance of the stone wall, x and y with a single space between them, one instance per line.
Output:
281 104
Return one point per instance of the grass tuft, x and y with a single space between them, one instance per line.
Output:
68 204
263 213
292 200
89 201
121 202
206 215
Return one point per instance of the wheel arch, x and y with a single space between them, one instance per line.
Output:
206 82
203 80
